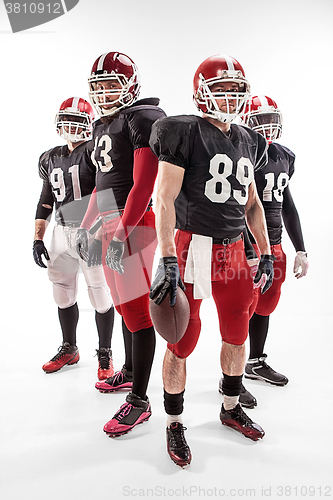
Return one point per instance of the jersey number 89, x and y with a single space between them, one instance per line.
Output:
218 189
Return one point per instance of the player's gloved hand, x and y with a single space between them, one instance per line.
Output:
253 264
95 253
39 249
301 261
166 279
265 273
81 244
114 255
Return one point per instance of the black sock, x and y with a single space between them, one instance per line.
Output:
143 354
258 329
232 385
68 318
104 323
174 403
128 341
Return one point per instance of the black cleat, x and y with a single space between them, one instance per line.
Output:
258 369
238 420
178 449
245 398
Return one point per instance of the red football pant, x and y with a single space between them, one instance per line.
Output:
265 304
232 291
130 291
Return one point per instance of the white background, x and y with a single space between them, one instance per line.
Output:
52 444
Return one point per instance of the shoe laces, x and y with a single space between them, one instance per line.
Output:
116 379
123 411
177 436
62 350
104 358
240 415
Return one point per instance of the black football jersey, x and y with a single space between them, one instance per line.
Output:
271 181
68 180
218 171
113 153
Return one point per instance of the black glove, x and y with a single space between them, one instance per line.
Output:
265 273
114 255
95 253
166 279
38 250
81 243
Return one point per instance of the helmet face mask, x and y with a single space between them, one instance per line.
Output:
262 115
74 120
114 83
234 91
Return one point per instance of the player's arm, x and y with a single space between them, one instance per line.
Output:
169 182
145 167
255 217
292 224
43 213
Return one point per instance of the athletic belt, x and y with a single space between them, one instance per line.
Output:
226 241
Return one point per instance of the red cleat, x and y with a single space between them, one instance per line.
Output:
178 449
132 413
67 355
122 380
105 363
238 420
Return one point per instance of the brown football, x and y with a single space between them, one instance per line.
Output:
171 322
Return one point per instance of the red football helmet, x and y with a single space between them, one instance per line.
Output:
119 69
220 69
74 119
262 115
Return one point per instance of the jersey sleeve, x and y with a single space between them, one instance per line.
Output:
170 141
262 153
139 126
89 149
291 160
46 198
43 165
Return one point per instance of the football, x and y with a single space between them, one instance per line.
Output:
171 322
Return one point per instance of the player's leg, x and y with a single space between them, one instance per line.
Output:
63 273
233 295
133 291
100 298
174 367
174 379
256 368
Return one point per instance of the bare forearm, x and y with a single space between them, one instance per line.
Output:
165 226
40 228
256 221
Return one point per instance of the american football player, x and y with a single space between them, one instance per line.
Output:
68 176
206 189
263 115
126 172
